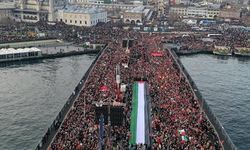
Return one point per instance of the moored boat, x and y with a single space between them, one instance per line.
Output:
222 50
242 51
11 54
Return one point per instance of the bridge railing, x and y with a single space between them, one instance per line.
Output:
53 129
223 136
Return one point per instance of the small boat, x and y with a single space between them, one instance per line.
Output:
242 51
11 54
222 50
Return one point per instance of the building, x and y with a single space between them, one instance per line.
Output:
52 11
137 15
81 16
196 12
178 2
230 13
6 10
36 10
87 1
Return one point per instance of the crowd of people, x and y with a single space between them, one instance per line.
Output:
208 41
174 107
178 121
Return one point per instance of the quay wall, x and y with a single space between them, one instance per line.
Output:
65 54
53 129
222 134
36 43
193 52
56 55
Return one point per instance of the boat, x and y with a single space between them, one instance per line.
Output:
11 54
222 50
242 51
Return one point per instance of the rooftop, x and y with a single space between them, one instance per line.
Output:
138 9
5 51
81 10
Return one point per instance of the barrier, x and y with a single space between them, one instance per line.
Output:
223 136
52 130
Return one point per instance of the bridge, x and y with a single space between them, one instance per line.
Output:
168 67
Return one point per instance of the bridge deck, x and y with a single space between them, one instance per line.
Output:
177 119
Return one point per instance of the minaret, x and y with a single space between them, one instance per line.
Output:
38 5
51 10
22 3
160 7
38 8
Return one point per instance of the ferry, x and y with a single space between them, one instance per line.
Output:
11 54
222 50
242 51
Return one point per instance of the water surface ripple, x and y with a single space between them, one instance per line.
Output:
31 96
225 84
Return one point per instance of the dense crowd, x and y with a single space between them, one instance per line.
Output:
28 31
207 41
174 107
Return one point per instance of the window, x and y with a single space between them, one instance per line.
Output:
66 20
70 21
10 56
2 56
86 22
24 54
31 54
75 21
80 22
17 55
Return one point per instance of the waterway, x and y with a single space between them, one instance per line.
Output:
225 85
31 95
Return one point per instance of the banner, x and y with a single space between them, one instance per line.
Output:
137 126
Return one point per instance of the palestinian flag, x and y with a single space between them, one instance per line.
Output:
137 126
184 137
182 132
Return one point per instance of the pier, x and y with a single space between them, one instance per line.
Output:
175 114
51 48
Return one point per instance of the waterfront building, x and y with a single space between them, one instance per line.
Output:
191 11
34 11
6 9
51 11
5 13
81 16
137 15
178 2
87 1
230 13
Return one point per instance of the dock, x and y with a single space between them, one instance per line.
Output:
65 50
53 48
